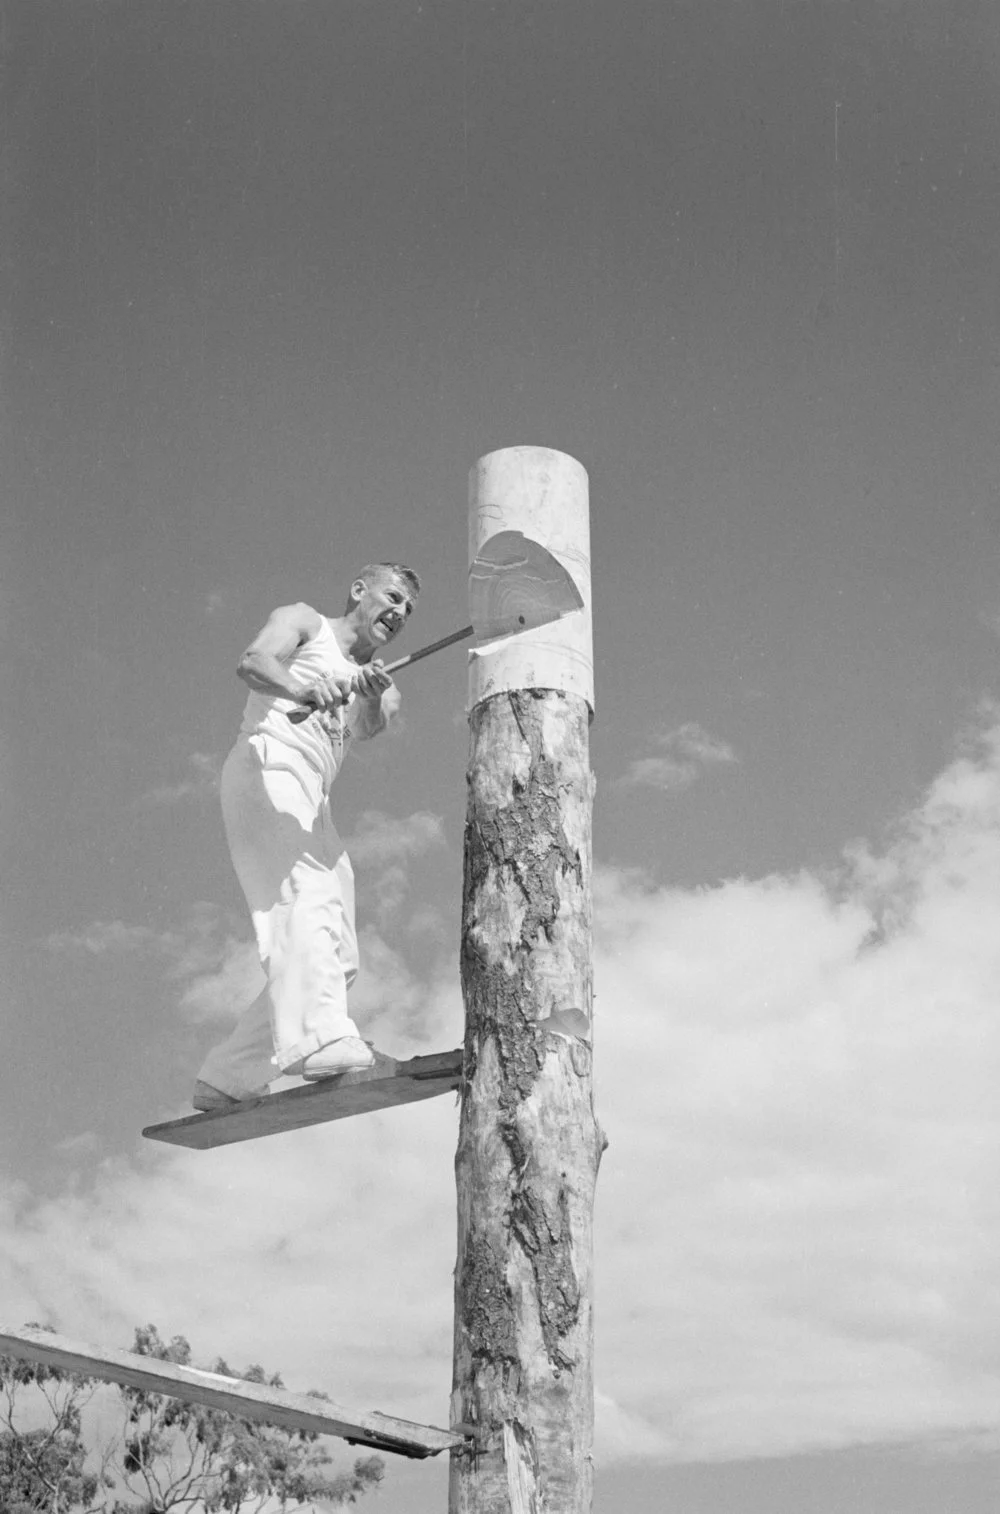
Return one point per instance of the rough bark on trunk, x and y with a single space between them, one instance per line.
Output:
529 1143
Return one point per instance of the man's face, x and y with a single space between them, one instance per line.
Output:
386 605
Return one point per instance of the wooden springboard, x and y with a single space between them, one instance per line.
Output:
380 1087
255 1401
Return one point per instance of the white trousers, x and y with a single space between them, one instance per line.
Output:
299 884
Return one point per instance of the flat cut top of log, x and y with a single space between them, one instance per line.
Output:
255 1401
380 1087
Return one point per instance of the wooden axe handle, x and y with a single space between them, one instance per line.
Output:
297 716
435 646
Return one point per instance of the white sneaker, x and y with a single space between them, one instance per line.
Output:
349 1054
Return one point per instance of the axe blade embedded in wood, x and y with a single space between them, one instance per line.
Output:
515 584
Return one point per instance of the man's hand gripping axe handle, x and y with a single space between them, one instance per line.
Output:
297 716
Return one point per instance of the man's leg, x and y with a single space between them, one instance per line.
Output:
241 1065
314 961
299 885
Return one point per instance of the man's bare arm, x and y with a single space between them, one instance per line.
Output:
378 700
264 664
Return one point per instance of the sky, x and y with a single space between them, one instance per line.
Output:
275 274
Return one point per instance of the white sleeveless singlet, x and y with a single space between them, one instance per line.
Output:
323 738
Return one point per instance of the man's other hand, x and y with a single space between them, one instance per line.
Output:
371 681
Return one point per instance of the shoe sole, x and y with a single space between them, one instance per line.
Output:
336 1072
355 1061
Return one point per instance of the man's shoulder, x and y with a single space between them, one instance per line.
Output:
302 617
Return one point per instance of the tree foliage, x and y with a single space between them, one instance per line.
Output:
43 1467
166 1454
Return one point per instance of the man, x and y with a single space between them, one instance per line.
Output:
288 857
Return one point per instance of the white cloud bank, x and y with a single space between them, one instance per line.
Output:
797 1220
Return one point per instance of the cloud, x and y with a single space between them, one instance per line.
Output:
79 1147
379 839
403 1014
624 1436
796 1224
688 750
224 990
798 1199
428 923
217 969
202 781
188 949
103 937
382 848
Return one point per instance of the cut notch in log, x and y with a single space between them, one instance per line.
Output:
380 1087
254 1401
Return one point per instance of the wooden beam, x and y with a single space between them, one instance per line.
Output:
270 1406
380 1087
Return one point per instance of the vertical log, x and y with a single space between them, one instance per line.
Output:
529 1144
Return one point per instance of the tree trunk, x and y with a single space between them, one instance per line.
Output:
529 1144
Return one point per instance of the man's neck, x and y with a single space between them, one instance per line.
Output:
350 639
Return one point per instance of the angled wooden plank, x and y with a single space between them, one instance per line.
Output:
270 1406
380 1087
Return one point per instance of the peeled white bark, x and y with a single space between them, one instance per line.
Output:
545 495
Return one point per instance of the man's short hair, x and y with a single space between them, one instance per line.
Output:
382 570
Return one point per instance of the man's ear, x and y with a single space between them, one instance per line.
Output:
358 587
